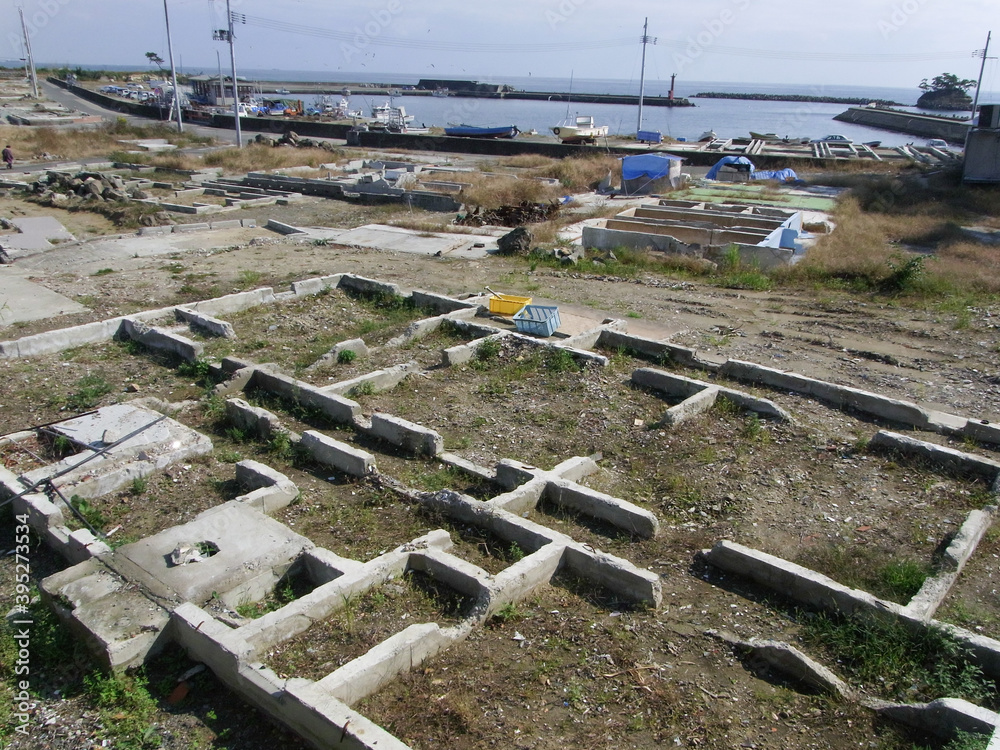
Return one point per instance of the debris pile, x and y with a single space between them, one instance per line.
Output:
510 216
59 187
291 138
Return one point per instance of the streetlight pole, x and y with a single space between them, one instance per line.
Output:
173 71
646 39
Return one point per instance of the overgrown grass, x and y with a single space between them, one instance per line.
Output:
876 571
489 191
897 663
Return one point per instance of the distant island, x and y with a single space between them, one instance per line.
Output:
798 98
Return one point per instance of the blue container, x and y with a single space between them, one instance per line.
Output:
538 320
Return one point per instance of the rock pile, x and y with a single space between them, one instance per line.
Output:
59 187
291 138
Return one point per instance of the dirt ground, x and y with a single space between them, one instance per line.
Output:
570 667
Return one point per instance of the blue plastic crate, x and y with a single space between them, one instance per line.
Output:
539 320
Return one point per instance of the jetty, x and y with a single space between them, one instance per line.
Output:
952 129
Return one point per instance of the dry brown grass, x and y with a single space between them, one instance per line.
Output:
259 157
526 161
79 143
579 173
969 266
491 191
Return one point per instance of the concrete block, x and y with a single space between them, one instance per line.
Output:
789 661
282 228
690 408
518 581
407 435
615 574
254 553
316 285
254 419
363 285
159 338
943 717
657 351
797 582
249 223
233 303
326 723
227 224
521 499
454 572
336 407
207 323
440 303
323 566
620 513
380 380
339 455
198 227
402 652
469 467
147 231
589 339
983 431
942 456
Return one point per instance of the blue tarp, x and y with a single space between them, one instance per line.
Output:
782 175
653 166
729 160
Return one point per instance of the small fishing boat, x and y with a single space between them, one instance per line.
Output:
472 131
388 114
767 137
581 130
872 144
441 93
708 135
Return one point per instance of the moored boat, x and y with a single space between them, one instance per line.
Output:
581 130
473 131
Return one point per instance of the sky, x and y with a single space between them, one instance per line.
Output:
890 43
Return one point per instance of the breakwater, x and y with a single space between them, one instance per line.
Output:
924 126
796 98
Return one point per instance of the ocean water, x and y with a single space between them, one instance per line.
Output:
727 117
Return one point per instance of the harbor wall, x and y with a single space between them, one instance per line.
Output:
926 126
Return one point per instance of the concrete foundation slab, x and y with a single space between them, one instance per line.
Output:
254 552
22 301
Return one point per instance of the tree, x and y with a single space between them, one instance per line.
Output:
947 82
156 60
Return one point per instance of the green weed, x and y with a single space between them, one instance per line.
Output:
346 356
139 485
90 390
901 664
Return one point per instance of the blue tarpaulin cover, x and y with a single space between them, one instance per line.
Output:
728 160
782 175
653 166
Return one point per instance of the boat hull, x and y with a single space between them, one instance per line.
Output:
572 134
471 131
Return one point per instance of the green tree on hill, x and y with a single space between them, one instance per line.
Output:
946 92
947 82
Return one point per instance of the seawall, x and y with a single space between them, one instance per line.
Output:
926 126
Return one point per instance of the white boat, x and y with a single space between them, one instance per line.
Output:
441 93
581 130
388 114
708 135
394 92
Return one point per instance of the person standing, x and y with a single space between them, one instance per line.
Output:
8 157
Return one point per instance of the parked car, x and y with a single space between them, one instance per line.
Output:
937 143
834 140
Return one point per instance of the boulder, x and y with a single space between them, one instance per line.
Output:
515 242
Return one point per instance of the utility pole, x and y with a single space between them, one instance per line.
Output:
979 83
173 71
31 62
227 35
642 75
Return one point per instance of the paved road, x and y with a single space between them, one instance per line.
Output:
64 97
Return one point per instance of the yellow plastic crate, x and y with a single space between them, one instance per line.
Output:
505 304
